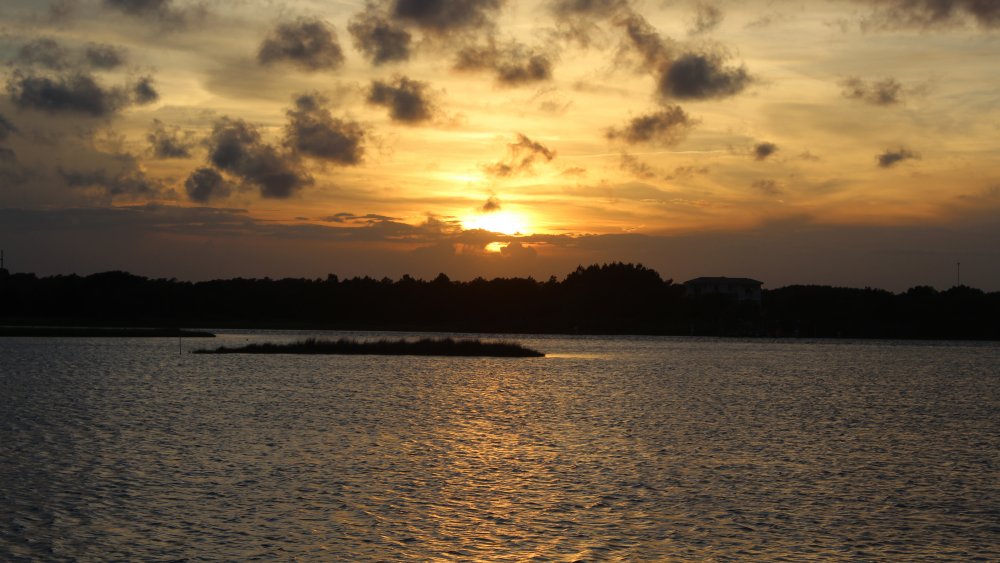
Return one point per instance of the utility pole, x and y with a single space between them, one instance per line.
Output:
958 274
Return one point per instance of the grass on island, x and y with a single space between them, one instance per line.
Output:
402 347
102 332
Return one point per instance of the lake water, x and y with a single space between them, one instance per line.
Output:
610 448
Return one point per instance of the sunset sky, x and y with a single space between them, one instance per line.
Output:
819 141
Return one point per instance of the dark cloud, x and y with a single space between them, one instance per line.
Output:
764 21
767 187
492 204
162 12
522 155
126 181
236 147
206 184
309 43
636 167
378 38
6 128
76 93
369 219
927 14
763 150
48 53
408 100
882 93
665 127
104 57
313 131
702 76
168 142
692 75
707 17
44 52
642 37
139 7
62 10
143 92
516 249
588 8
447 17
513 64
687 172
578 20
6 156
891 157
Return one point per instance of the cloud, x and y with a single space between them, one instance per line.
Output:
512 65
928 14
309 43
707 18
882 93
890 157
577 20
139 7
6 128
62 10
767 186
236 147
516 249
447 17
75 93
700 76
492 204
643 38
129 180
370 218
44 52
689 76
378 38
159 11
687 172
105 57
588 8
636 167
666 127
205 184
143 92
763 150
49 54
313 131
167 142
522 156
408 100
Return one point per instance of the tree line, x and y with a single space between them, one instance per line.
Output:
612 298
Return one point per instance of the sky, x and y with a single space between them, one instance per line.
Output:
836 142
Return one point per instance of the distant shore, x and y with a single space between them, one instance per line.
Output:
401 347
103 332
608 299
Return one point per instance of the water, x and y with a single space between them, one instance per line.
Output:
608 449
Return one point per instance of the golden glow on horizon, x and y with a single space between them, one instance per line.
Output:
504 222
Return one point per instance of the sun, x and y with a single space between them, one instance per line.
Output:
504 222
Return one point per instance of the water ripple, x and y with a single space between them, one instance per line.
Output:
611 449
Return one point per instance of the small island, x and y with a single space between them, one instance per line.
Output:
401 347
